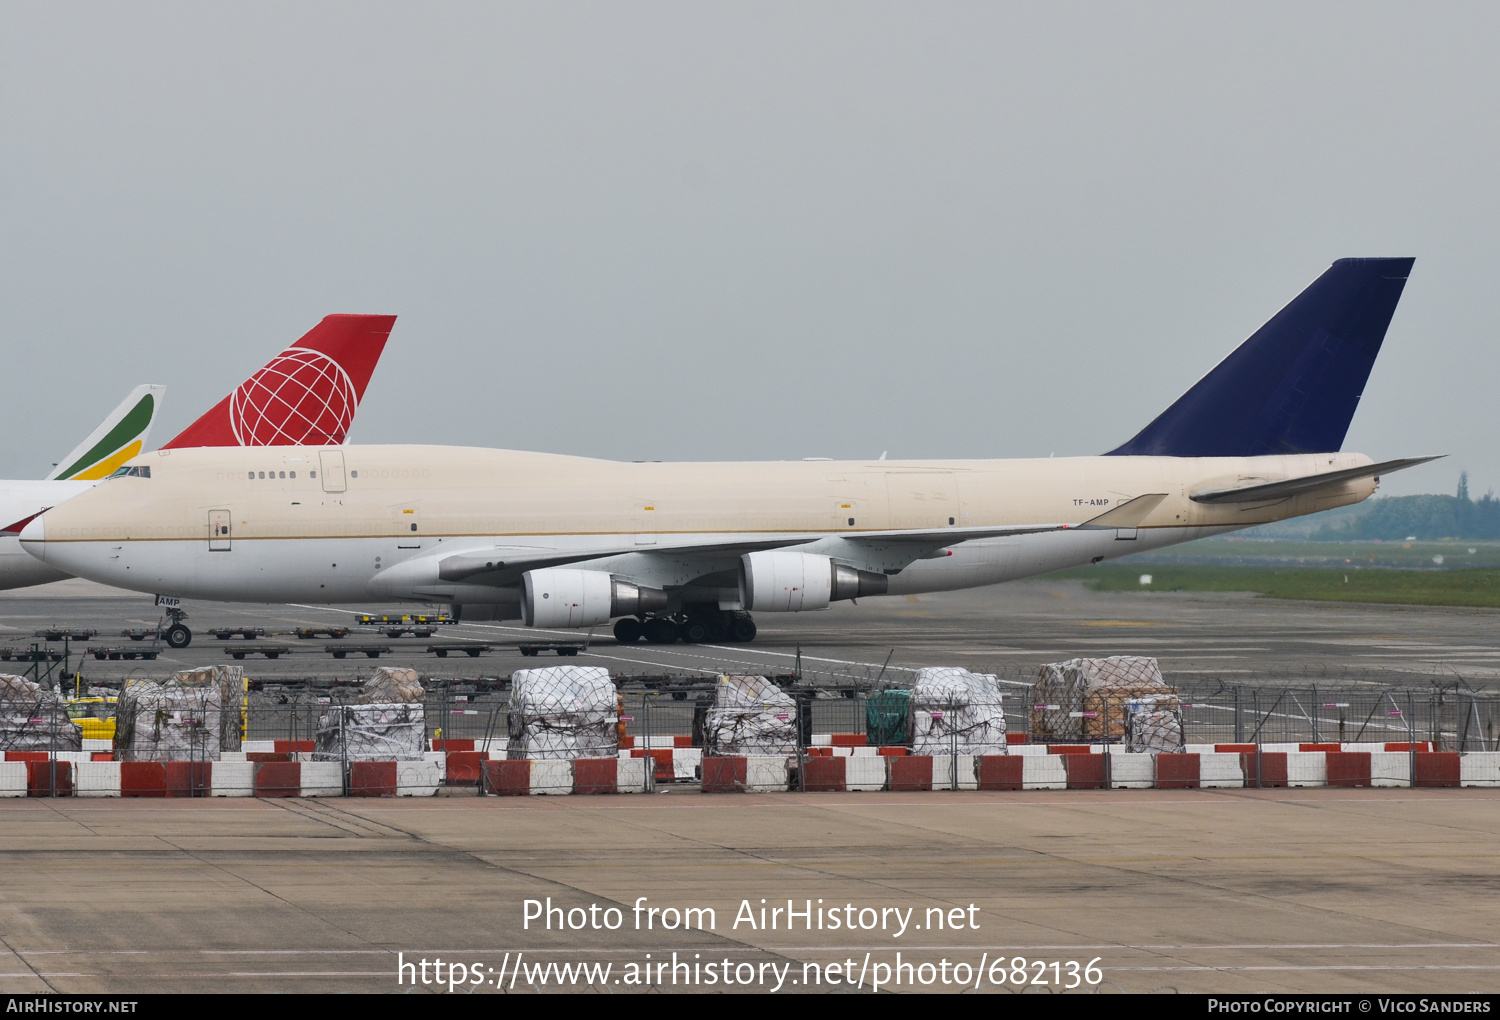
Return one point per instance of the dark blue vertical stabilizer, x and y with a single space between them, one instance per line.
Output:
1294 385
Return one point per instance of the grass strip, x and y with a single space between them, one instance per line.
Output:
1477 587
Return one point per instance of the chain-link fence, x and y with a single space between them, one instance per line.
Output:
653 716
1450 717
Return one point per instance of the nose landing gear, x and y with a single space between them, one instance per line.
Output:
177 633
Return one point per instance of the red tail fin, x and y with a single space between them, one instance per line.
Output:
305 396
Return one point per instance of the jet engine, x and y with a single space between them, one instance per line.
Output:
780 581
568 597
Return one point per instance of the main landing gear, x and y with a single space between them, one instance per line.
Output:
695 627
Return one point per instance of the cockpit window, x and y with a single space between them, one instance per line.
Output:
132 472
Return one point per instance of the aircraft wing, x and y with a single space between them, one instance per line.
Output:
504 565
1289 487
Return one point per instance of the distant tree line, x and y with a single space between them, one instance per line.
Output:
1425 517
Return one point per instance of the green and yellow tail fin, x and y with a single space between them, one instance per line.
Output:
118 438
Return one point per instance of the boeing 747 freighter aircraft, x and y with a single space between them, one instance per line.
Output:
690 550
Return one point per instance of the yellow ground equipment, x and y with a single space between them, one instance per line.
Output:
94 716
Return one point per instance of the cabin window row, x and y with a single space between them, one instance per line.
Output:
284 474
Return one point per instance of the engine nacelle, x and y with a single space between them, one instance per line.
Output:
568 597
781 581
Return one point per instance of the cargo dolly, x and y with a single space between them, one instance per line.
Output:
370 651
62 633
141 633
248 633
473 649
560 647
269 651
417 632
126 652
336 633
30 655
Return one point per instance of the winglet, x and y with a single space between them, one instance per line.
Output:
305 396
116 439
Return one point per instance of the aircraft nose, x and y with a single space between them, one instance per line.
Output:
34 538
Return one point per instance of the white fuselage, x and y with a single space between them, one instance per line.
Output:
19 500
369 523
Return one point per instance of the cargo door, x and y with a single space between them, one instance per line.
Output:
408 527
332 464
218 531
922 499
644 523
863 504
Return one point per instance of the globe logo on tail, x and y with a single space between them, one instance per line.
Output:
302 398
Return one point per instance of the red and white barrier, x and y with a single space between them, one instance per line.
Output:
548 776
835 762
1480 769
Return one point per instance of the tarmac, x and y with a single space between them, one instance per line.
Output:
1008 629
1280 891
1301 890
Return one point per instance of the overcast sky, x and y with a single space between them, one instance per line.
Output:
743 231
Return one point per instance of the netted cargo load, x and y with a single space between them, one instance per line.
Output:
563 712
389 732
393 685
1153 724
750 716
1089 699
33 718
888 717
954 711
194 716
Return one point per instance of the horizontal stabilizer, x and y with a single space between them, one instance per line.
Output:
1129 514
1293 386
1289 487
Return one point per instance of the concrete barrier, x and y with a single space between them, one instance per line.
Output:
1306 768
1390 768
766 773
98 779
1444 768
1001 772
865 773
1177 771
824 775
1085 771
1271 766
322 778
234 779
946 772
1220 770
726 774
1043 772
1480 768
1346 768
1130 771
909 774
12 779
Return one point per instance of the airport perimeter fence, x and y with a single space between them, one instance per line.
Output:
1204 712
1449 715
